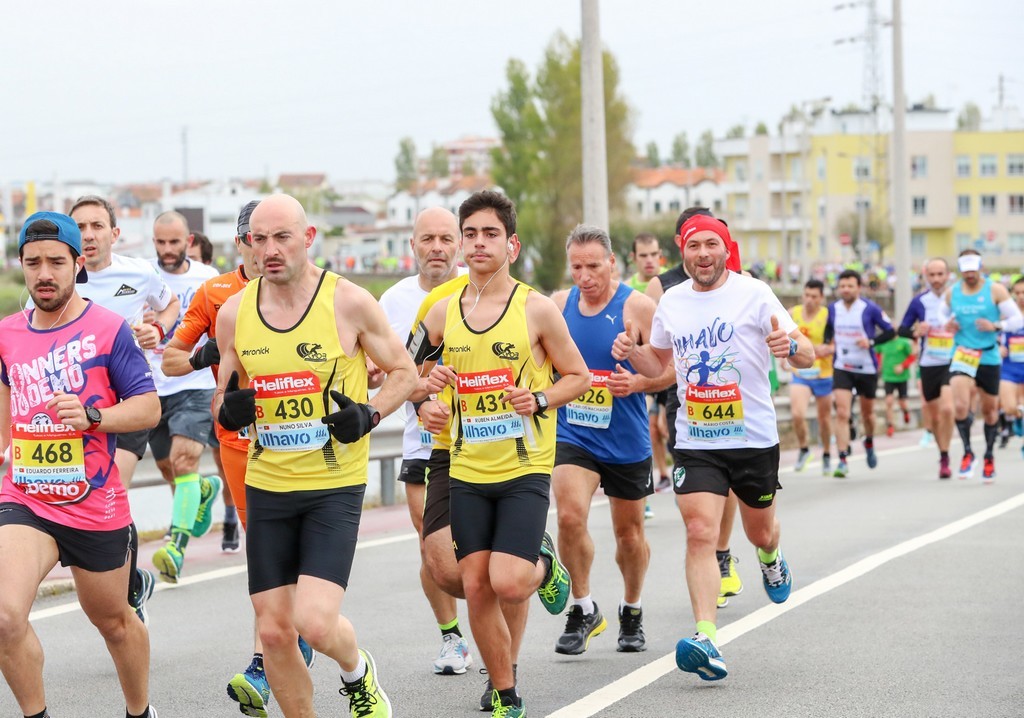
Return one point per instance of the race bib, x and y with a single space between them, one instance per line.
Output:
426 438
810 373
714 413
939 345
484 417
593 409
287 418
48 463
966 361
1015 349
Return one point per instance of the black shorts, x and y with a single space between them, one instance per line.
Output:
752 474
96 551
134 441
656 402
933 378
865 384
413 471
436 506
507 517
899 387
987 378
621 481
308 533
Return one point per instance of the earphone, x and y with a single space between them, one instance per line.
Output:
510 247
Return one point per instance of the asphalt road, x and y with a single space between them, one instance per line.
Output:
907 602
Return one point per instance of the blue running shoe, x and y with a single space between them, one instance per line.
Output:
1018 426
869 450
777 580
251 690
308 654
701 656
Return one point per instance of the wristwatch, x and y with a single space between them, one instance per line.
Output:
94 416
793 346
542 401
374 415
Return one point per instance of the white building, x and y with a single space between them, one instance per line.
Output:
667 191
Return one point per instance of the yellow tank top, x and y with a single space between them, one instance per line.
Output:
293 371
491 443
443 440
814 330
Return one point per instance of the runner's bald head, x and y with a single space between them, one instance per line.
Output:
279 207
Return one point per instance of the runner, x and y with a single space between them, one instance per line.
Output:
895 358
1011 382
435 412
499 349
603 441
185 424
250 687
732 585
62 499
727 439
979 310
812 319
858 325
925 320
435 247
298 338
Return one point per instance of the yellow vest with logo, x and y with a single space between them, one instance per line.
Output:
814 329
490 442
293 371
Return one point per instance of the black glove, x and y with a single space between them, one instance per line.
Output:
353 421
206 356
239 407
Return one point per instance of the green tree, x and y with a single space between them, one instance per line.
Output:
681 150
761 129
539 164
736 132
653 155
405 164
438 165
704 153
468 168
969 119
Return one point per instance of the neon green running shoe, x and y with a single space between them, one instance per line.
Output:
366 699
554 591
209 487
169 561
505 710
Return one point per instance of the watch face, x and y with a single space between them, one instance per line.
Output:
93 414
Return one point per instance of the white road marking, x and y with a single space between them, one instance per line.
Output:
597 701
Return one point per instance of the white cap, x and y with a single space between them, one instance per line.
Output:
969 263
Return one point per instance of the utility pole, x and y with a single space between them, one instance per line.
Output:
900 228
595 152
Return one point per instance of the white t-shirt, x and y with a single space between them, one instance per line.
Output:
185 286
400 303
722 362
126 287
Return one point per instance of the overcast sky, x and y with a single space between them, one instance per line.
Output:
101 90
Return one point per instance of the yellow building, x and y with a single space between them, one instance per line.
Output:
800 197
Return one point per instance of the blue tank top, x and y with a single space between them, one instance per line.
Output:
613 431
967 308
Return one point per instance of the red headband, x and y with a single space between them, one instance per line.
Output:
701 223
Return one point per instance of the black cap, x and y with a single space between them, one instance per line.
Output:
243 218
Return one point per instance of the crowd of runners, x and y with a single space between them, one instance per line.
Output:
509 397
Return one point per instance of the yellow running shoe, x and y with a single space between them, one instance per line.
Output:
731 583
